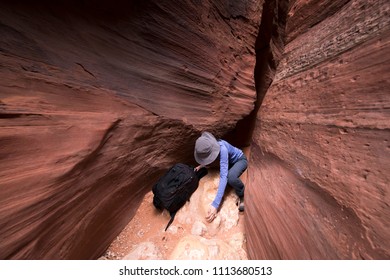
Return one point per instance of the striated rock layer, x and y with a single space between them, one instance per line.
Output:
97 100
319 173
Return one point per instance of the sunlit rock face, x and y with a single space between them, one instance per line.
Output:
97 99
320 156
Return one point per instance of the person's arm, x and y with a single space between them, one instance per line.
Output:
223 173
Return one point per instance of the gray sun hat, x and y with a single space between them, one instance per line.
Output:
206 149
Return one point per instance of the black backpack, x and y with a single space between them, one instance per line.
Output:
175 188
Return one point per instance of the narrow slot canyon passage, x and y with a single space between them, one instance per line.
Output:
99 99
193 237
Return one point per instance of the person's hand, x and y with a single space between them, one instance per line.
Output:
198 167
211 214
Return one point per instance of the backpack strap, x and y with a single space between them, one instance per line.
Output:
201 173
171 220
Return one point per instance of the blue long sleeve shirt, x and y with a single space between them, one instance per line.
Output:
228 155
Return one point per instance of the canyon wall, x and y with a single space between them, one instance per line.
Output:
97 100
320 156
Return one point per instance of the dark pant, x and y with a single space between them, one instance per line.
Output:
235 171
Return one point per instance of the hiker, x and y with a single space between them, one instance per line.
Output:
232 163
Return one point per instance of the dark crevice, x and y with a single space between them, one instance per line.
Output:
269 46
86 70
17 115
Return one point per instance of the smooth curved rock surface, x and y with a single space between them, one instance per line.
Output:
96 101
320 156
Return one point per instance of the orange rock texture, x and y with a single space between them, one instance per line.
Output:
319 173
98 99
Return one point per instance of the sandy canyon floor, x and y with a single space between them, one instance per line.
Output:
190 236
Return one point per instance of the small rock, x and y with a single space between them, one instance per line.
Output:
198 228
172 229
144 251
198 248
215 225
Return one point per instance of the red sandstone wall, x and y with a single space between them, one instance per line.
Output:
97 100
319 173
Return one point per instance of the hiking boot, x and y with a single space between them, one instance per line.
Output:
241 205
